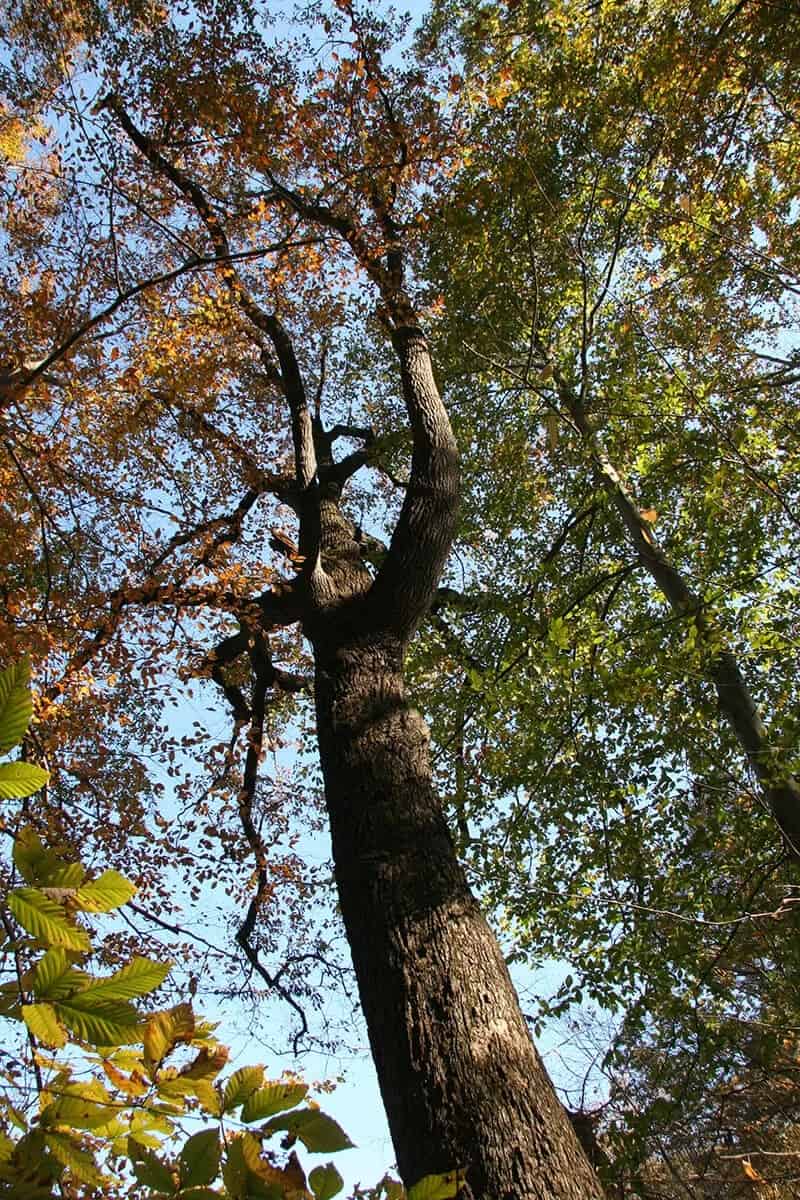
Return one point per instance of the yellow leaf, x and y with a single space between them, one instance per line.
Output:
165 1029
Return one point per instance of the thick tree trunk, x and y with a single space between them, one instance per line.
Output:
461 1080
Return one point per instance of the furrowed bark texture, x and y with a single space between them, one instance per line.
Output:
460 1078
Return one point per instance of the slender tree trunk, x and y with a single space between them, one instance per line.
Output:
460 1077
778 786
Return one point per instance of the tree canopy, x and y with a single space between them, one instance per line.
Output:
243 254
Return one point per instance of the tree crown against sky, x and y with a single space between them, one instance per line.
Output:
593 219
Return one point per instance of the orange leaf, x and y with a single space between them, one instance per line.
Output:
751 1172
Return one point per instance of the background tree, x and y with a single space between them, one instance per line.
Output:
188 142
620 273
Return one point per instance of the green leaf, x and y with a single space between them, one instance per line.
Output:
437 1187
274 1098
46 920
325 1182
20 779
208 1096
80 1162
234 1169
38 865
16 706
81 1110
199 1159
318 1132
475 679
136 978
43 1023
110 1023
109 891
54 976
240 1086
149 1169
559 633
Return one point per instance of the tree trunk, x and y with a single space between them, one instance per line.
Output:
779 787
460 1078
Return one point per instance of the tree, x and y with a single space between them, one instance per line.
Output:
203 139
620 345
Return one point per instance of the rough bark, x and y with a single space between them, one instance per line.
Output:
460 1078
462 1083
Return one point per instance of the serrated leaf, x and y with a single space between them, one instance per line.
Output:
43 1023
16 706
240 1086
21 779
325 1182
80 1162
114 1023
149 1169
146 1121
78 1112
164 1030
54 975
208 1064
437 1187
289 1181
136 978
274 1098
208 1096
200 1158
46 920
109 891
318 1132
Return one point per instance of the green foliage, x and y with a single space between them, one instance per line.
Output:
17 779
623 229
125 1077
437 1187
136 1112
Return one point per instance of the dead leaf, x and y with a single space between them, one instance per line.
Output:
751 1172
